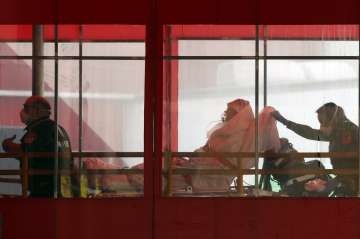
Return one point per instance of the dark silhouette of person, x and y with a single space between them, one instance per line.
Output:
40 137
342 135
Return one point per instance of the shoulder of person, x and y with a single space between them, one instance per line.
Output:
348 133
348 125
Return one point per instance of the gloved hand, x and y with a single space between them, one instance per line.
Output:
276 114
9 146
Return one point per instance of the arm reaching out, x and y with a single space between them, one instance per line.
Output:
276 114
302 130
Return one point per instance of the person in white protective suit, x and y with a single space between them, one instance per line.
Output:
236 133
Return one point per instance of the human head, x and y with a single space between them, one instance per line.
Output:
35 107
233 108
329 115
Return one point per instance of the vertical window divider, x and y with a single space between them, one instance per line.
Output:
56 115
257 109
265 64
262 177
358 110
168 162
80 104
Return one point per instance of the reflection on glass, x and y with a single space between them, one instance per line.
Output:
15 40
312 40
116 89
217 47
68 103
107 177
113 95
305 106
13 94
68 49
15 49
215 115
113 49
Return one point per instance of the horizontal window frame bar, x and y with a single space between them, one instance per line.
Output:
181 171
236 172
74 154
181 39
186 154
76 42
126 58
171 58
254 39
263 155
64 172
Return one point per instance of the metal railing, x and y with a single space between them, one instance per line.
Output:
168 172
238 171
25 171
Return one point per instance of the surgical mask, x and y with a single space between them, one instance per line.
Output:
24 117
327 129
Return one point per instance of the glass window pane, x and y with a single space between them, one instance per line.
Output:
68 49
317 40
194 89
297 89
198 40
120 182
15 40
116 89
217 47
49 49
68 103
113 94
113 40
15 48
12 97
208 107
113 49
200 113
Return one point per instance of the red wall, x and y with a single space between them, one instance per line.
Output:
42 218
258 218
181 218
186 217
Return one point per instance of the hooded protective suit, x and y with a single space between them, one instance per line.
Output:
236 134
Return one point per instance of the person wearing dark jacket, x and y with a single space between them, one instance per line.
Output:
40 137
342 135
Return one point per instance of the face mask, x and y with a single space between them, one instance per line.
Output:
24 117
326 130
228 114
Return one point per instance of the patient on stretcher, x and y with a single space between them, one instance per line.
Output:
235 133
